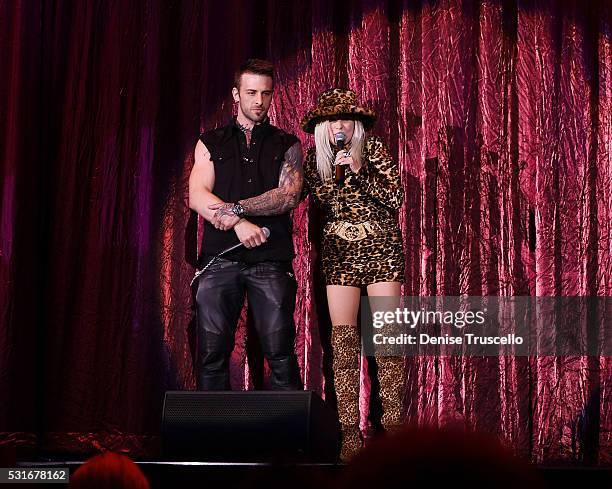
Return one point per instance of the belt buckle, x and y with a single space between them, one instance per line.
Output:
351 232
354 232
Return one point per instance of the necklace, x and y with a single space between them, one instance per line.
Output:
248 132
244 129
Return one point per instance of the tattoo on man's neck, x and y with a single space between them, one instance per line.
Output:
244 129
248 132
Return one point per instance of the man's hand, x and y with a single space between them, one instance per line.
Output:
223 218
249 234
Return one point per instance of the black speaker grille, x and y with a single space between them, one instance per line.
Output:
255 424
215 408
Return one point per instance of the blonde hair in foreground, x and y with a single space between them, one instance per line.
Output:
325 155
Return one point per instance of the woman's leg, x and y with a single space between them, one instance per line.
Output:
385 289
391 370
343 305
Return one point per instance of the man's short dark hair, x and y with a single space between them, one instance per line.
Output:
255 66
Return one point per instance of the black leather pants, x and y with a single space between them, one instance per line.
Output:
271 288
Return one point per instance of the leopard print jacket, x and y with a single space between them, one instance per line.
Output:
372 195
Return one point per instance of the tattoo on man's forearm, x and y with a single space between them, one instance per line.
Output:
286 196
224 210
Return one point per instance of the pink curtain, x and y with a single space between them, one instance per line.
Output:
499 115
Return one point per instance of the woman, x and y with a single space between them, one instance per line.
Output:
359 189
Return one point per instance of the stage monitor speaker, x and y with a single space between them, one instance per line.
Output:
249 426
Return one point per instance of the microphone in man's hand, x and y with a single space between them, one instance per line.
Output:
266 232
340 140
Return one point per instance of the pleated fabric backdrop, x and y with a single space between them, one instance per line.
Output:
499 114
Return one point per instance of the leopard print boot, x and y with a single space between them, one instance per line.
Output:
346 345
391 377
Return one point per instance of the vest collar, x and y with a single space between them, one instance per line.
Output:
258 129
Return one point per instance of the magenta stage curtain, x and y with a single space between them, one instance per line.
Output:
498 112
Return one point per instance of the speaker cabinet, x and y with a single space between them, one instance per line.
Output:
249 426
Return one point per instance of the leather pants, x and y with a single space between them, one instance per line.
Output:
219 295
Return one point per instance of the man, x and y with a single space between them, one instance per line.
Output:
247 176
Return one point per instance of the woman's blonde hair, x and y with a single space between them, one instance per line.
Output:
325 155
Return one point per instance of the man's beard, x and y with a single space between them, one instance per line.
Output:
254 117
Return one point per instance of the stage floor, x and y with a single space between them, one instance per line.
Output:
229 475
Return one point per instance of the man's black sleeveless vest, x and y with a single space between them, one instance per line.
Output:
239 177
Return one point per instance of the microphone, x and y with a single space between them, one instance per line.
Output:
340 139
266 232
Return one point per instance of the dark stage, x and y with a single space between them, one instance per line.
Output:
164 474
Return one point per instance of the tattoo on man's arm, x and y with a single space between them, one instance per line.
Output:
287 195
224 210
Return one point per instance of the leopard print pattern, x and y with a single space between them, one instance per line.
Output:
337 102
336 96
346 381
346 346
352 442
346 349
391 376
374 194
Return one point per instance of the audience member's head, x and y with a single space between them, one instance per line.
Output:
281 476
106 471
421 456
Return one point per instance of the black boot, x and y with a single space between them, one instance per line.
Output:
213 382
278 350
212 363
285 374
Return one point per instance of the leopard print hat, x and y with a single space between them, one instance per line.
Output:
337 102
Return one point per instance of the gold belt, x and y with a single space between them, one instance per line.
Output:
354 232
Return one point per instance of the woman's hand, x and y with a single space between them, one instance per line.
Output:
345 158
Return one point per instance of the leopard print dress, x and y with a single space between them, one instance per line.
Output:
361 239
